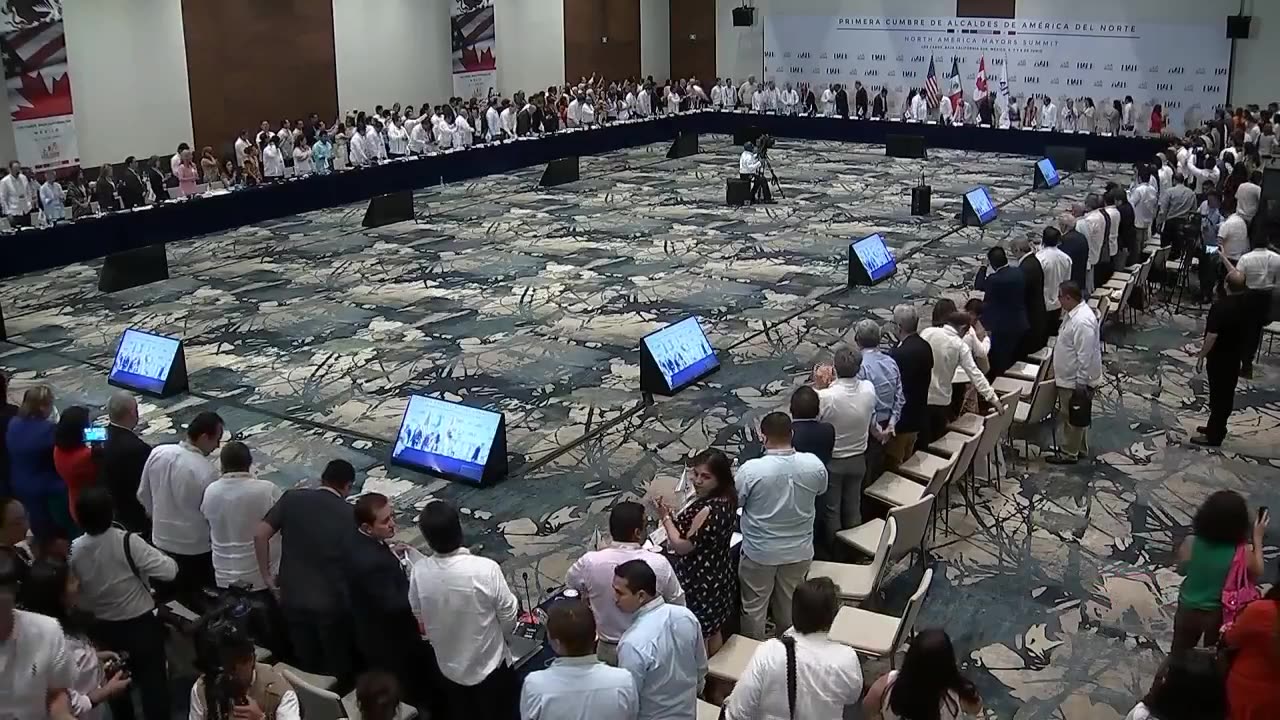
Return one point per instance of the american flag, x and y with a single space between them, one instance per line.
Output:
931 85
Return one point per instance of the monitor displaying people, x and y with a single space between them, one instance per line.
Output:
445 438
983 207
875 257
1048 172
143 361
682 353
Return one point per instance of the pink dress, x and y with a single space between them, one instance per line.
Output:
187 179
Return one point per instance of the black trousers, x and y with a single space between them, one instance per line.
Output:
322 643
1260 311
875 468
1006 348
1223 373
143 639
939 416
1102 272
1054 322
20 221
195 573
496 697
759 188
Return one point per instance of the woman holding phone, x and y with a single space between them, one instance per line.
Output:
73 457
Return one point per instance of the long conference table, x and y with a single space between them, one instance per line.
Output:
93 237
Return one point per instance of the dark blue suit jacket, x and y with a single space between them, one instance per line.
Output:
812 436
1004 308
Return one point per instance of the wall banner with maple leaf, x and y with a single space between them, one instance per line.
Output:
34 49
475 59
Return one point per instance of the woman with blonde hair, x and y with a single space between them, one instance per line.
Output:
33 477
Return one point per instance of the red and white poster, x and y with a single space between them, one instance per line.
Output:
34 50
475 58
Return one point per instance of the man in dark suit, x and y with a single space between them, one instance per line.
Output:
7 412
880 106
133 192
120 470
987 110
1076 246
915 364
1004 309
809 435
842 102
860 100
1033 287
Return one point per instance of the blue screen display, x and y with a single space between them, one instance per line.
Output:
1049 171
682 353
143 360
875 256
446 437
981 203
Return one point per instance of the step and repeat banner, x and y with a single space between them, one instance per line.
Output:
1182 67
34 51
475 59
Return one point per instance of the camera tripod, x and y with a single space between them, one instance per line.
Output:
766 165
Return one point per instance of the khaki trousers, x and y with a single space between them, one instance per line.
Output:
765 586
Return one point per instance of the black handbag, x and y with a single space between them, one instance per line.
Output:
1080 411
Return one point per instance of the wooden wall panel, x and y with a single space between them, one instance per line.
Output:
986 8
693 41
602 37
250 60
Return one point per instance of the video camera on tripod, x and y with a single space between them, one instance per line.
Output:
763 143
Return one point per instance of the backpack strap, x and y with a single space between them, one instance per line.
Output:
789 643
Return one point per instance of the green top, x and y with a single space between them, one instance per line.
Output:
1206 574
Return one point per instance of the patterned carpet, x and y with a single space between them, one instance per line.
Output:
308 334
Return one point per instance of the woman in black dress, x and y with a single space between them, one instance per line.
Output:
699 536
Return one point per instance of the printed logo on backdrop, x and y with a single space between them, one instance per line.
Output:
39 85
1061 58
475 58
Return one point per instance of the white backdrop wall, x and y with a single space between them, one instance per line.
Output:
740 51
655 38
391 51
128 65
530 44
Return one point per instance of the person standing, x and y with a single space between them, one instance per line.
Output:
1033 288
1077 369
809 434
824 675
950 351
751 169
52 199
882 372
124 455
38 662
662 649
1004 309
577 685
15 197
859 100
75 461
1255 661
34 479
1049 115
132 189
171 490
467 610
493 122
914 358
233 505
1222 355
1261 269
316 536
777 494
592 576
273 160
1144 198
1055 267
849 404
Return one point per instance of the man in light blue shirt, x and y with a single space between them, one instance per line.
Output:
662 649
882 371
577 686
777 494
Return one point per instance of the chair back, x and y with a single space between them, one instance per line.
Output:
944 473
887 538
1042 402
997 426
909 616
316 703
912 521
965 457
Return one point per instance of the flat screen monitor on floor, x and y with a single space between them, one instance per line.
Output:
870 261
675 357
148 363
451 440
1046 174
978 207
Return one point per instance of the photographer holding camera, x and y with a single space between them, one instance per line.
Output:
241 688
751 168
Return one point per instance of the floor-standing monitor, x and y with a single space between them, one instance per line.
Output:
452 440
150 364
1046 175
979 209
870 261
675 357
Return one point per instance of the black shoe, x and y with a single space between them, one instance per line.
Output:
1246 372
1062 460
1206 442
1202 430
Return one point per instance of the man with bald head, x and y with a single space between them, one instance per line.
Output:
123 456
1226 336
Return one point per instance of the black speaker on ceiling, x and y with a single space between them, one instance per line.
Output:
744 16
1238 26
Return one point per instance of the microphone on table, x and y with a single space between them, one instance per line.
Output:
528 616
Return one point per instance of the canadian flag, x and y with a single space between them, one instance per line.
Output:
980 83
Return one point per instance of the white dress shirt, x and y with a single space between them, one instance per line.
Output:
418 138
748 163
950 352
771 100
587 114
446 135
592 575
642 104
1092 227
233 506
1261 268
573 116
919 108
15 195
1233 236
1126 116
493 123
1077 357
849 404
944 111
176 159
777 494
790 101
673 102
717 97
745 92
1057 270
1049 116
664 652
463 133
828 102
286 141
979 349
356 151
86 673
397 140
464 604
828 677
1113 234
374 147
34 660
1143 197
109 590
508 121
171 489
53 200
302 161
272 162
241 146
288 708
579 688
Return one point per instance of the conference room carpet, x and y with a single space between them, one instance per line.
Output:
308 334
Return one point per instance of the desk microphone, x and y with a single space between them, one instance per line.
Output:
528 616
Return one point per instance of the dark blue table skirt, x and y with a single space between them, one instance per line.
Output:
90 238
